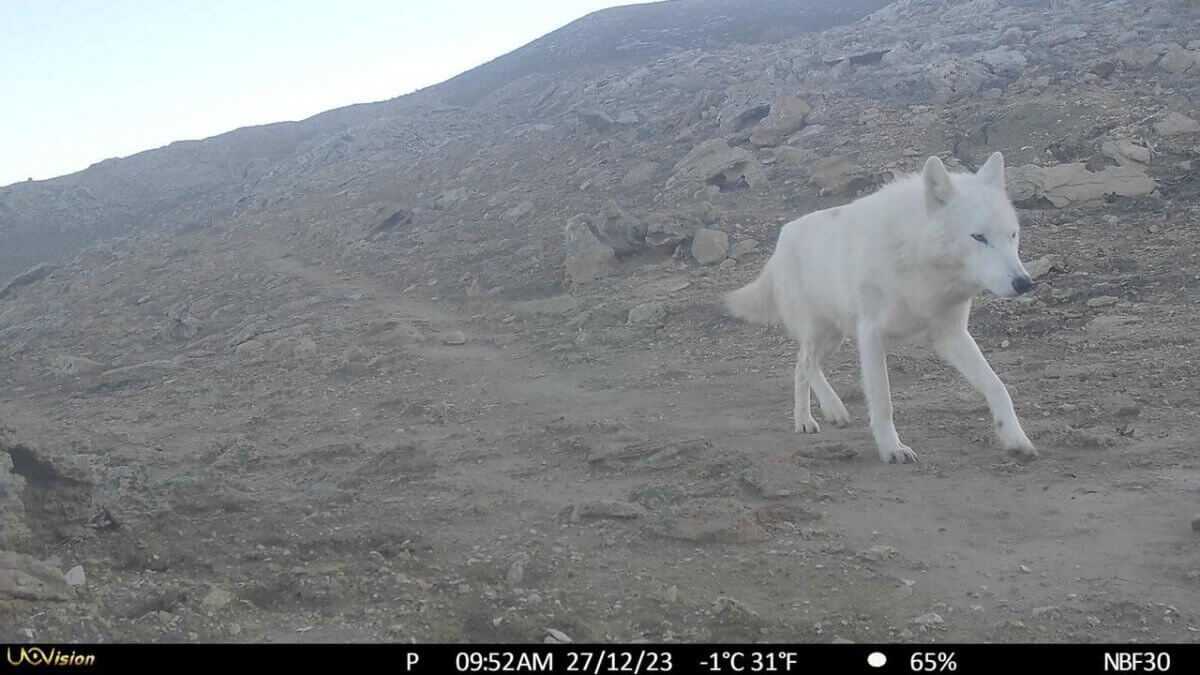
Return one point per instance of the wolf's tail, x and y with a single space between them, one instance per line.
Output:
754 302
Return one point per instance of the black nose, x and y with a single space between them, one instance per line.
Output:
1022 284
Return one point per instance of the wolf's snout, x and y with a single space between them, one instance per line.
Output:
1022 284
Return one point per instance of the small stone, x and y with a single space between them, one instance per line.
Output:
842 641
879 552
929 620
554 635
75 576
455 338
606 508
1102 301
216 599
1025 569
1039 611
1045 265
516 572
1004 344
648 313
743 247
710 246
1196 523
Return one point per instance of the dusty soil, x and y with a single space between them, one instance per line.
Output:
366 405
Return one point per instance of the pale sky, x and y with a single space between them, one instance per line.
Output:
85 80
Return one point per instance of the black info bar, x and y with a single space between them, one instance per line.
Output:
603 659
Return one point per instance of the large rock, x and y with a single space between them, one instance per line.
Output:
954 79
596 119
588 258
639 174
30 276
14 533
1070 184
716 163
619 230
648 314
1174 124
1178 60
710 246
25 578
787 116
838 175
1126 152
1004 62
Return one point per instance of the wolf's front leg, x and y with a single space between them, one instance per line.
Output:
959 349
877 388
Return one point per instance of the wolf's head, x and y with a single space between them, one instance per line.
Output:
981 231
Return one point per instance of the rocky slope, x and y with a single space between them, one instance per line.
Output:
453 367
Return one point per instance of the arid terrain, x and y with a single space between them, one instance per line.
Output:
453 367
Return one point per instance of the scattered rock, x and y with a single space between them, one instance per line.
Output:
743 248
588 258
28 277
23 577
1041 611
1136 58
929 620
1178 60
710 521
1045 265
452 198
605 508
1175 124
714 162
75 576
1110 324
559 305
648 313
1067 185
838 176
516 570
555 636
74 366
216 599
1126 152
1103 301
639 174
455 338
596 119
1196 523
710 246
665 236
1003 61
786 117
518 212
879 553
954 79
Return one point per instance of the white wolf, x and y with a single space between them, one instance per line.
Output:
904 262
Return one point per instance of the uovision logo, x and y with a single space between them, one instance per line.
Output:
36 656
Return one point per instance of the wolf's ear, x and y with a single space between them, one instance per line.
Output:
938 188
992 172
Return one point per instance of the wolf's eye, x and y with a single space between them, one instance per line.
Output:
980 238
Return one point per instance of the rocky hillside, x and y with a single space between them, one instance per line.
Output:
453 366
197 183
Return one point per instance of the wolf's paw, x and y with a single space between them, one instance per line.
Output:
807 426
1022 449
900 454
1017 443
837 414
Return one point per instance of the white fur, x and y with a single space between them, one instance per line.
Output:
895 265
